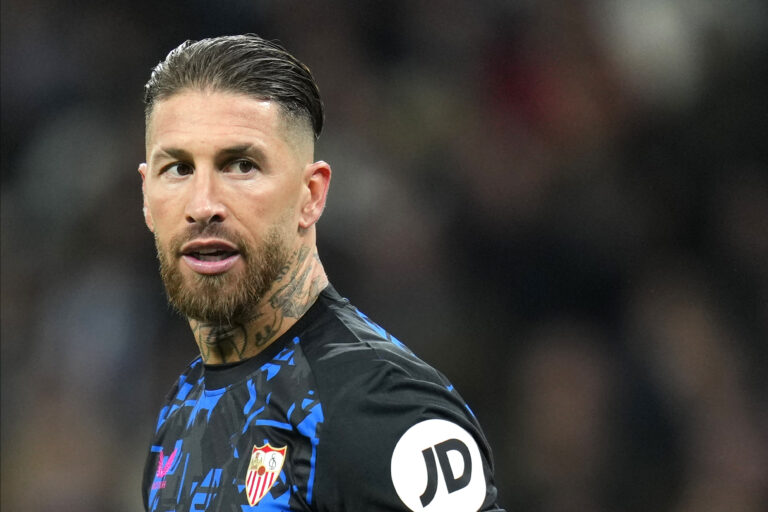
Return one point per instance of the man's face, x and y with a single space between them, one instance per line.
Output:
224 186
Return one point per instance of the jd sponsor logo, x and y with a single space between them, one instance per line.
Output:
436 466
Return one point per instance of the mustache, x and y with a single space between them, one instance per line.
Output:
210 230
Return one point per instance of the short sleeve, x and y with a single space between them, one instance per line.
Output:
395 441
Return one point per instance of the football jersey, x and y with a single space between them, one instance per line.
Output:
335 415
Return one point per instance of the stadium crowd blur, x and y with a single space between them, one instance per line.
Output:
562 205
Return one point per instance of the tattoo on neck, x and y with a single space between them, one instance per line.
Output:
295 297
220 343
296 289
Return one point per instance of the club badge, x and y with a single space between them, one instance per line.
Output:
263 470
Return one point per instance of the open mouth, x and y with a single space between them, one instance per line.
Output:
210 256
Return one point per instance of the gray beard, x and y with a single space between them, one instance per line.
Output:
223 299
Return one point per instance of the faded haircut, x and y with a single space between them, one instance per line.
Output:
245 64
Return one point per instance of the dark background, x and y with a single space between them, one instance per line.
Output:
563 205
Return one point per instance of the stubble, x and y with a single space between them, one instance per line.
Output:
227 298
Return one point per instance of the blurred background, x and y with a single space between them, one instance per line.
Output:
563 205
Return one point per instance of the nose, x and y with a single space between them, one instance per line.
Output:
204 205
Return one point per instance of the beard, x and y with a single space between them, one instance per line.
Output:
229 297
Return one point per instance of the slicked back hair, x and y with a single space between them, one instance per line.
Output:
245 64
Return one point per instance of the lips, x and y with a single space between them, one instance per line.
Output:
210 256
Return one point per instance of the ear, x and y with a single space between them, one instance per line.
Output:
147 212
317 178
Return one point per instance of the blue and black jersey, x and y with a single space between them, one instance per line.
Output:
336 415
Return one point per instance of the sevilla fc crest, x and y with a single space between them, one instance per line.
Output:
265 466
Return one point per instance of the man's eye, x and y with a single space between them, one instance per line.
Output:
179 169
241 167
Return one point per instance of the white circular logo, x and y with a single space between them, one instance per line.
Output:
436 466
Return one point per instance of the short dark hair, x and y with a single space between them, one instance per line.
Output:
246 64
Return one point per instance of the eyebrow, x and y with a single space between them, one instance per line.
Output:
173 153
254 152
239 149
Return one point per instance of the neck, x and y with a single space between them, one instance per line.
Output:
294 292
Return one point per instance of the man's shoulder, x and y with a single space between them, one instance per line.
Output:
360 368
188 379
387 412
342 334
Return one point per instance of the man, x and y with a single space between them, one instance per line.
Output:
298 401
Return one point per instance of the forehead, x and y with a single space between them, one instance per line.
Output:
214 115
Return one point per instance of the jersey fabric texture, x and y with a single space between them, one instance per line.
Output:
336 415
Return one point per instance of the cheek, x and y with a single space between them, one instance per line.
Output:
161 211
258 209
260 221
